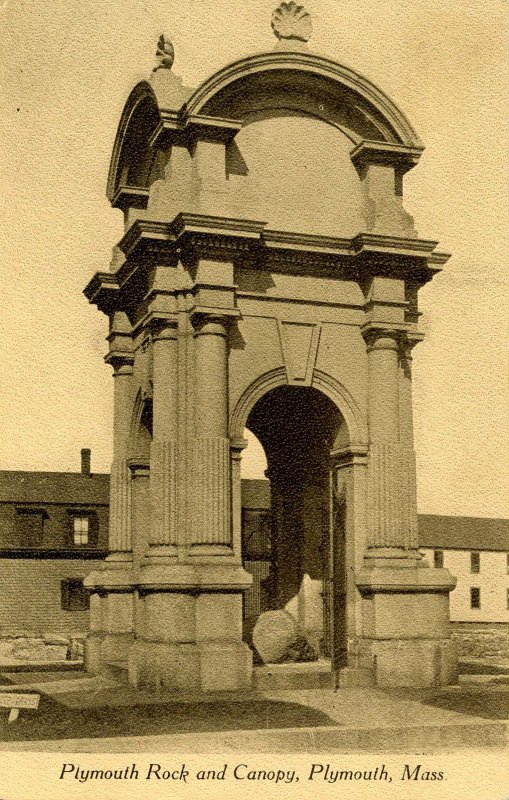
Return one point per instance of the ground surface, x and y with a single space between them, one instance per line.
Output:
82 713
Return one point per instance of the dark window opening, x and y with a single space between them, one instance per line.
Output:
30 526
74 596
475 562
258 560
438 559
475 597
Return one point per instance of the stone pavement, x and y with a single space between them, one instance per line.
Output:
78 713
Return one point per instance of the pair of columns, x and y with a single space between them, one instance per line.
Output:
210 530
171 609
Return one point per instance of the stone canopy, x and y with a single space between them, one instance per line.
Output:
268 279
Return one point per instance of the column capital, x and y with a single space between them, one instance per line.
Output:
162 328
237 445
382 337
121 362
410 340
390 337
348 456
207 320
139 467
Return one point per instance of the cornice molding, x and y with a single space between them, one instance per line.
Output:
192 236
130 197
400 156
185 129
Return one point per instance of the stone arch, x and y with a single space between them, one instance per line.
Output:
330 387
265 84
255 83
132 157
140 434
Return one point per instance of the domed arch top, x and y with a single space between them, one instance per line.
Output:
310 83
268 84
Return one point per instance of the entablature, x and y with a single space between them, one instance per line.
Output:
190 237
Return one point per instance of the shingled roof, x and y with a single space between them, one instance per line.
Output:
54 487
463 533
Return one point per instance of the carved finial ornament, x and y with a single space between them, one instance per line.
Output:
165 53
291 21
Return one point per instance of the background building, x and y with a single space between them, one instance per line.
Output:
53 528
476 551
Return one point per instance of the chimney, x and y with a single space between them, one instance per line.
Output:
85 462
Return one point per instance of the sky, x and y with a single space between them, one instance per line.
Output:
66 70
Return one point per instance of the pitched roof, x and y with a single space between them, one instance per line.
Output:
54 487
463 533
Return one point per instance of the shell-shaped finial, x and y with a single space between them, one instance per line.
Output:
291 21
165 53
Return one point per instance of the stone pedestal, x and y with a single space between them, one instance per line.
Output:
190 637
95 637
406 638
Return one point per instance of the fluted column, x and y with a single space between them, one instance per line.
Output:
404 605
211 529
120 543
391 469
163 453
408 461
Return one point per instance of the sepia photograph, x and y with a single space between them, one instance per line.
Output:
254 451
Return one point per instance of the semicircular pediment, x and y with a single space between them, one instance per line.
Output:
308 83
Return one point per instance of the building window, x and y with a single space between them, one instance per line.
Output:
438 559
83 528
507 557
73 595
80 530
30 526
475 562
475 597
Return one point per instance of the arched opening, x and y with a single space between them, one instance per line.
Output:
141 429
286 523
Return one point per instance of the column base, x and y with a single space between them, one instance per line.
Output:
191 635
190 667
405 624
112 616
92 653
115 648
417 663
355 678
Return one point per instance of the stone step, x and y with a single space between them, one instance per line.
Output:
306 675
117 670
